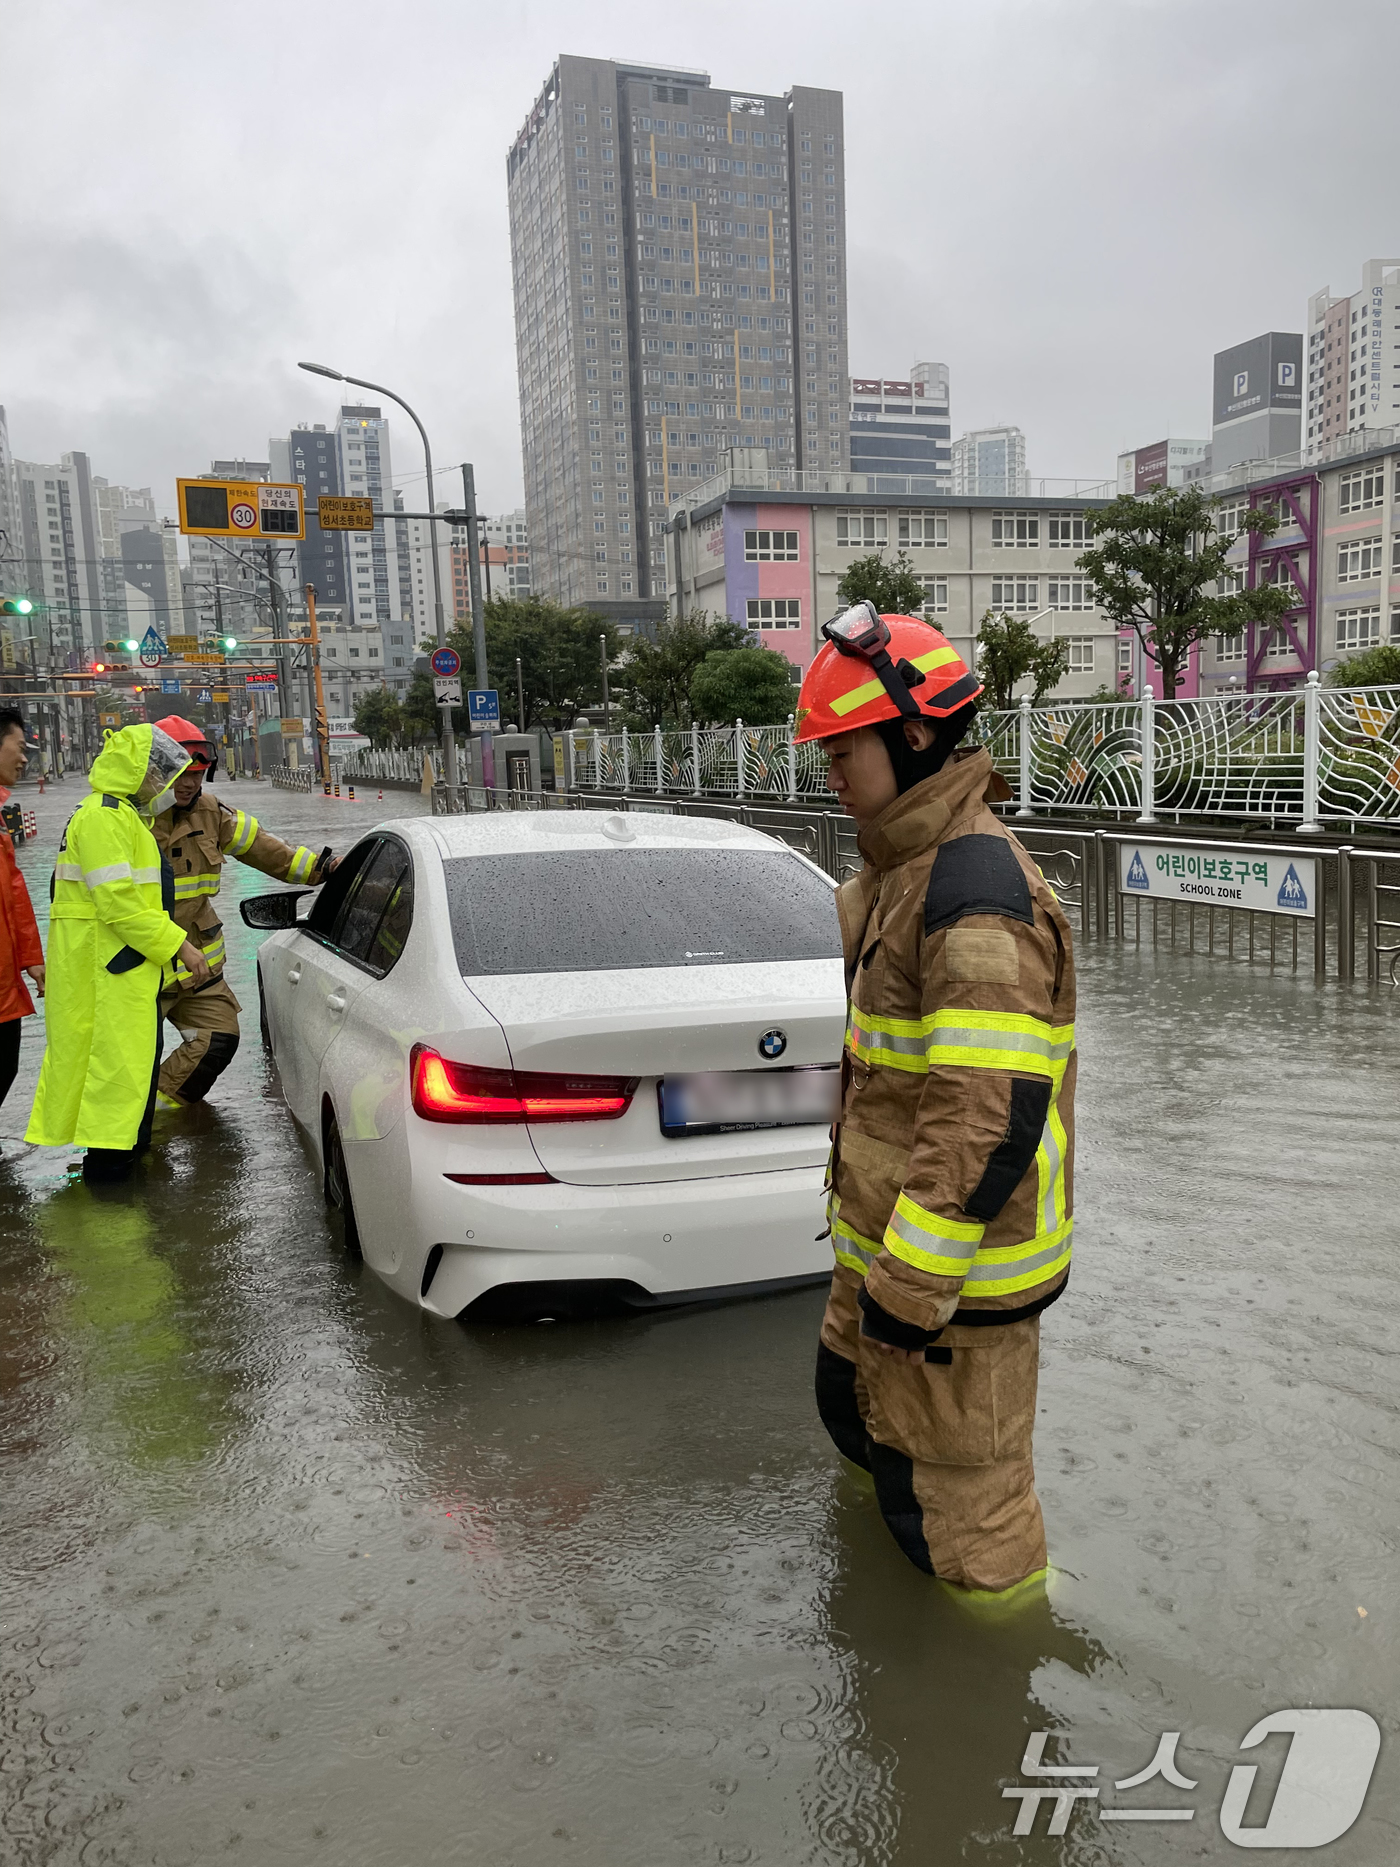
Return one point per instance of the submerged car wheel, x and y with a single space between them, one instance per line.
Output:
337 1186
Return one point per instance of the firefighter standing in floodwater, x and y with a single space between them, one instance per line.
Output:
951 1192
194 838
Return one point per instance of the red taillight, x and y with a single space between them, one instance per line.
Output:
465 1092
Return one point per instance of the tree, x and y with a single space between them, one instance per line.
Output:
419 715
1008 651
560 656
657 674
377 716
894 589
749 684
1373 667
1157 564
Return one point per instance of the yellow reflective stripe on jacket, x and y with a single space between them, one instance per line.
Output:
942 1247
300 867
898 1043
245 830
852 1248
984 1040
188 886
1005 1269
999 1040
872 690
103 874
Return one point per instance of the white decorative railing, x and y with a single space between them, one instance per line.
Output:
1309 756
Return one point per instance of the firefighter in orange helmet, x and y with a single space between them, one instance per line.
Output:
194 838
950 1184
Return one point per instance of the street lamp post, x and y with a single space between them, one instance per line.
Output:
449 742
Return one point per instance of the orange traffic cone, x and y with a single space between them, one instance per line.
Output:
380 798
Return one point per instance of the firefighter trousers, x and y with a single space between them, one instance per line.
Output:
206 1017
947 1441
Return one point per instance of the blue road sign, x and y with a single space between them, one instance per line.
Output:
170 687
483 706
1137 874
446 661
205 696
153 644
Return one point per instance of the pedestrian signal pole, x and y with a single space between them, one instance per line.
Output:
323 731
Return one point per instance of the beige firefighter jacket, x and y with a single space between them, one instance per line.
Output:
195 841
952 1162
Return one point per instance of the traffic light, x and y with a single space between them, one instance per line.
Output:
228 643
15 606
99 667
131 645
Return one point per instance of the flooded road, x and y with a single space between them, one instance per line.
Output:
291 1573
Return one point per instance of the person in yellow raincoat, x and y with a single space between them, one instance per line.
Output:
110 935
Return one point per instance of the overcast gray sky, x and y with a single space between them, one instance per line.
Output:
1073 203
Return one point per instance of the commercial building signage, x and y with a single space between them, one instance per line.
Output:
259 679
1150 467
1197 872
1266 373
182 644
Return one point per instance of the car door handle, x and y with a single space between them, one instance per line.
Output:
336 1001
294 975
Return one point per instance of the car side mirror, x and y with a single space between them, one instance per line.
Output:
271 913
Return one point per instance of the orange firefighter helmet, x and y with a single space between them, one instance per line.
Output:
873 667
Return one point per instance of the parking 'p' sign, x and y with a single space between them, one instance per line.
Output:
483 706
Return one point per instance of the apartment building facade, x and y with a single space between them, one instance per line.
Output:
679 263
988 462
1353 357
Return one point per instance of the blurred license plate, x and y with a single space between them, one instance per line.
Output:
727 1101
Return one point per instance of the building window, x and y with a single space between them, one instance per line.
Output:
1015 593
1277 645
1228 519
770 547
1125 656
1015 529
923 528
1069 531
1360 491
1069 593
1230 647
776 612
1081 654
1358 560
935 595
1359 628
854 529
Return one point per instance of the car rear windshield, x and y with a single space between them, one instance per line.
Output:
586 910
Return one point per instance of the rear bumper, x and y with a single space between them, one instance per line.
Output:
676 1239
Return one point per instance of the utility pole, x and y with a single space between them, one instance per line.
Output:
607 708
323 731
519 696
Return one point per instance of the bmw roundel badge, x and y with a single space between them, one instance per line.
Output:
772 1044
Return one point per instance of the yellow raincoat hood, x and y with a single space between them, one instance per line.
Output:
121 767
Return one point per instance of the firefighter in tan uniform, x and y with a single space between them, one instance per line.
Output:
194 838
951 1191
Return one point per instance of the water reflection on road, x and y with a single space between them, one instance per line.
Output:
290 1572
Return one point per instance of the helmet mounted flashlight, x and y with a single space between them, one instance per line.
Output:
861 631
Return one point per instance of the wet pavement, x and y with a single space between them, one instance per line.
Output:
290 1572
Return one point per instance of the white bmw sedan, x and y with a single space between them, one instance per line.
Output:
554 1061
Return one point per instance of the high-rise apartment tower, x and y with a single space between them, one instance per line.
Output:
679 254
1354 356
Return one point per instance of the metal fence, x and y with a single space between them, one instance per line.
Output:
1302 758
